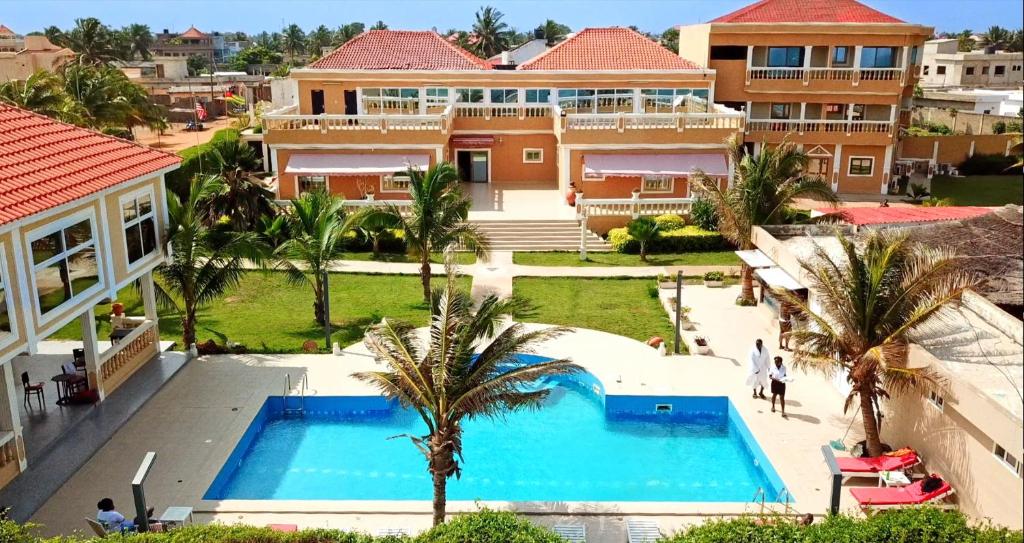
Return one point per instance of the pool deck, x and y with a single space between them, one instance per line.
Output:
194 422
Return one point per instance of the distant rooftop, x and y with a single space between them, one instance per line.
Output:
193 32
806 11
400 50
612 48
868 216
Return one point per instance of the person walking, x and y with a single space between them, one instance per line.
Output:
785 326
757 377
778 375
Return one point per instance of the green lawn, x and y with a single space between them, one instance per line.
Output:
461 257
267 314
980 190
712 258
627 307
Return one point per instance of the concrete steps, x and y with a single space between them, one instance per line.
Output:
537 235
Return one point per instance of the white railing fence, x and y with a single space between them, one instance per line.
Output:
679 122
806 75
517 111
632 207
819 126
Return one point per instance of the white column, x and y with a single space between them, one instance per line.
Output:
637 101
732 173
906 57
807 56
750 56
856 56
423 101
886 169
149 304
757 148
10 419
266 158
583 227
92 355
970 152
837 162
563 170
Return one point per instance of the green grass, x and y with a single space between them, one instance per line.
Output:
712 258
461 257
980 190
626 307
267 314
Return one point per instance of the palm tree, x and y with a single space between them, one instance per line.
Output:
92 40
462 371
552 31
437 218
318 39
104 95
764 187
953 112
872 300
42 92
206 260
491 32
644 230
56 36
316 242
346 32
246 198
373 228
294 41
140 39
997 36
379 25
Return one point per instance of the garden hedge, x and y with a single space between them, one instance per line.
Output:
987 165
196 160
688 239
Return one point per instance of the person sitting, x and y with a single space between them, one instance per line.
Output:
114 521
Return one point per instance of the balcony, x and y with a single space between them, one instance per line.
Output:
820 131
622 127
833 79
484 117
285 125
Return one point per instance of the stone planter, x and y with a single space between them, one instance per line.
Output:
714 284
667 285
699 349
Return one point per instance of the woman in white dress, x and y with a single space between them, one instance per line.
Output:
757 377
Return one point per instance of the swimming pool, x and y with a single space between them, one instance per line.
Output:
582 446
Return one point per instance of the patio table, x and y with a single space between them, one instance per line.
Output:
64 381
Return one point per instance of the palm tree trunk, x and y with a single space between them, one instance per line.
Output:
867 412
318 299
440 497
747 292
643 252
376 246
188 327
425 274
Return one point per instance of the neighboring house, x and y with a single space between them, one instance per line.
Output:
82 216
139 71
21 56
968 427
834 76
943 65
987 101
188 43
606 110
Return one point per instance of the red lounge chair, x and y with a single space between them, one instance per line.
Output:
894 497
283 527
871 467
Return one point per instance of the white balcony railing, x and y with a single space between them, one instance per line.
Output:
630 207
806 75
352 206
819 126
621 122
487 111
117 362
380 123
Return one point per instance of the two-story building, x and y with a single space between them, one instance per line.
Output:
190 42
82 216
834 76
945 65
607 110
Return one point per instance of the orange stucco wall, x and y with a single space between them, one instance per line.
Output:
954 149
507 159
352 187
622 187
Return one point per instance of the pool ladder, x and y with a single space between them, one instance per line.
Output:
303 385
783 497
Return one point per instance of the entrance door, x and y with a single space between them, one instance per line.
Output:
351 107
473 165
317 99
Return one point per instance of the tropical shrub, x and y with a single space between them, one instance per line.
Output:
488 527
644 230
704 214
198 159
687 239
999 127
1013 127
714 276
670 222
938 202
930 128
917 192
391 241
980 164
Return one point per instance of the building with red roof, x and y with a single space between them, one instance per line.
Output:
185 44
400 50
608 49
890 216
82 216
833 76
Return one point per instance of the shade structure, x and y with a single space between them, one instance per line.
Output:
472 141
633 165
755 258
776 277
354 164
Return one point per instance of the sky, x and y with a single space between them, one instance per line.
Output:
253 16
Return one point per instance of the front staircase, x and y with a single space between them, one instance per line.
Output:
538 235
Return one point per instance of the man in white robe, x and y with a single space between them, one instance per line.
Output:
757 376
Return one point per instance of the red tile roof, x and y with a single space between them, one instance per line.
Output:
4 31
45 163
862 216
192 32
608 49
806 11
400 50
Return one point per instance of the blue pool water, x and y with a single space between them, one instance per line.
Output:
582 446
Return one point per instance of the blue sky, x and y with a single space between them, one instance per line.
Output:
651 15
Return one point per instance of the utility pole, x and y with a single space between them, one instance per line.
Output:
679 310
327 311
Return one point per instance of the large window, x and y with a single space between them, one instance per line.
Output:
656 183
403 101
64 265
1000 70
674 100
436 99
469 96
504 96
138 217
1007 459
780 111
538 96
861 165
785 57
312 183
595 100
878 57
969 70
841 56
817 166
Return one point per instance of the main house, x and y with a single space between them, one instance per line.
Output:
82 216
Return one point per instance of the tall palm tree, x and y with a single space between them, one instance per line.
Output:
553 32
56 36
491 32
437 218
92 40
206 260
140 39
997 36
465 369
316 239
42 92
246 198
293 41
644 230
318 39
346 32
104 94
379 25
764 186
872 300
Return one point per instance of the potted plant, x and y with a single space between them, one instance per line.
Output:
702 345
714 279
684 318
666 282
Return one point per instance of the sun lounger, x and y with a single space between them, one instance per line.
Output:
871 467
392 531
97 528
902 496
642 531
574 533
